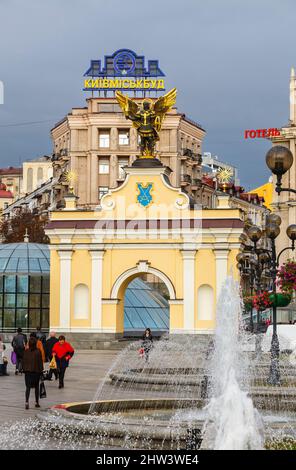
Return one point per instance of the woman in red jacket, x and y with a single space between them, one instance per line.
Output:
62 351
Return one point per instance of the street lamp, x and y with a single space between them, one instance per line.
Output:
272 231
252 262
279 160
259 260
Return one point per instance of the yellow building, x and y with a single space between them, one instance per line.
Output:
265 191
143 226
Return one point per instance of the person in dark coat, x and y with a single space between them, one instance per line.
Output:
51 341
19 343
33 368
62 351
147 343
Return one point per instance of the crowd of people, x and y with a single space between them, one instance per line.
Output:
31 355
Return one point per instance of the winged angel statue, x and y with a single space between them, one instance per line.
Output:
147 118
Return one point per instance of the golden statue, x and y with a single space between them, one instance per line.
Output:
148 118
224 176
70 177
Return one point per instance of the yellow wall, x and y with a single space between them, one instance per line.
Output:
266 191
205 269
80 274
119 257
54 288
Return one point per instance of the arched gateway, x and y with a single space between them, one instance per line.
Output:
144 226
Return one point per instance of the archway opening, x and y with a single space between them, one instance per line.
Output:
146 305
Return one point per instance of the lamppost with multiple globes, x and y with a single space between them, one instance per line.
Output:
279 160
263 263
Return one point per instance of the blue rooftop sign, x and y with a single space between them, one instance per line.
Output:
124 70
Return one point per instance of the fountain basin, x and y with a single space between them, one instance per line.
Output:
146 424
191 378
136 423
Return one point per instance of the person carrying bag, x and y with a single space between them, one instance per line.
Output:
33 368
62 352
53 370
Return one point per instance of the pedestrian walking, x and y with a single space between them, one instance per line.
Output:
147 343
33 368
51 341
18 343
41 336
62 352
39 346
3 359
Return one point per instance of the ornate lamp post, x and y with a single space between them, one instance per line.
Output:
253 263
247 269
279 160
260 260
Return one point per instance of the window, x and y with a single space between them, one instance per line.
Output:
121 164
39 175
103 190
24 301
30 180
104 139
109 108
103 166
124 137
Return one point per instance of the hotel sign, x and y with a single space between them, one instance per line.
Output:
124 70
262 133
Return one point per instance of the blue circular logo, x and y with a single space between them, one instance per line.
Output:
124 63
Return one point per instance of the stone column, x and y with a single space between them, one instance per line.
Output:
94 174
65 288
114 138
221 268
113 168
88 177
96 288
189 289
133 139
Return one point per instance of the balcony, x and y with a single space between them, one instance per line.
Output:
185 180
187 152
195 184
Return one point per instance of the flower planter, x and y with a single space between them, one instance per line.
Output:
280 300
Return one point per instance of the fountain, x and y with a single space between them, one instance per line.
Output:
232 421
193 392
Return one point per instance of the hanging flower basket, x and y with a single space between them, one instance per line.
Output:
280 299
262 301
286 277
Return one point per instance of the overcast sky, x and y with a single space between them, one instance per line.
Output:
229 59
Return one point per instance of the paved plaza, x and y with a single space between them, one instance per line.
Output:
85 373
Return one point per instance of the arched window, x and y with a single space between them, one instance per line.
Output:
39 175
30 180
81 302
205 302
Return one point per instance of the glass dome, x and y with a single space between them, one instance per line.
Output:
24 286
24 258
